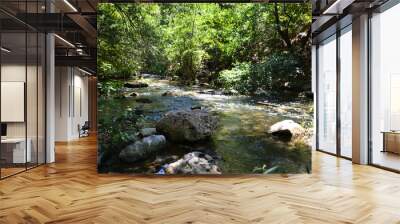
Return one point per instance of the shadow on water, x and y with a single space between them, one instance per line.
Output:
240 144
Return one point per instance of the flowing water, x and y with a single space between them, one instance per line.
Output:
241 143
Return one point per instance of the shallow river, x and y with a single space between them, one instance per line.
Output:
241 142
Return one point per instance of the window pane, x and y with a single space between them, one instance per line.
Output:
327 95
385 92
14 153
346 93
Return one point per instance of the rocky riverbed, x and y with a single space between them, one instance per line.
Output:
199 130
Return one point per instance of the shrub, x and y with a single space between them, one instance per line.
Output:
109 88
191 64
235 78
281 71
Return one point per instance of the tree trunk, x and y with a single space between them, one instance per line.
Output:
284 34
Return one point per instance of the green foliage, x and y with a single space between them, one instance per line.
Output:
191 64
294 158
281 71
208 42
118 127
127 35
109 87
235 78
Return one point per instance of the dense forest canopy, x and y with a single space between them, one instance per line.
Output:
253 48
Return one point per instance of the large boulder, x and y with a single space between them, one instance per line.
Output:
193 163
187 125
143 148
287 130
135 85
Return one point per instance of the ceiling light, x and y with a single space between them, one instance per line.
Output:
65 41
70 5
79 51
5 50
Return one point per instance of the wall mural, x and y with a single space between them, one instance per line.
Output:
207 88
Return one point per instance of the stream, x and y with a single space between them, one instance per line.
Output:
241 142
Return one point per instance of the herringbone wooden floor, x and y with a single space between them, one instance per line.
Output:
70 191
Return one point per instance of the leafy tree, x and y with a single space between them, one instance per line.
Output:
248 47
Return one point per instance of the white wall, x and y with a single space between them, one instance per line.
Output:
80 109
71 102
62 82
17 73
33 126
12 73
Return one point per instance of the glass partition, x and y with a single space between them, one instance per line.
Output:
346 92
22 77
327 95
14 151
385 89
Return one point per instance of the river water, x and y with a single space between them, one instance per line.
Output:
241 143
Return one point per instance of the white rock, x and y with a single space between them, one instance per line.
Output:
287 129
193 163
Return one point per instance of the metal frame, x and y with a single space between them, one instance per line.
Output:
338 98
389 4
45 88
316 97
44 75
26 90
369 78
337 34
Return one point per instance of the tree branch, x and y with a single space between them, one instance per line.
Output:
284 35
